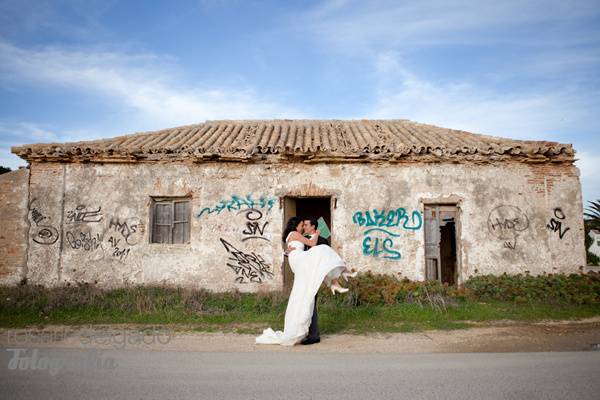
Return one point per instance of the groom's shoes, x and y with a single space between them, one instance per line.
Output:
310 341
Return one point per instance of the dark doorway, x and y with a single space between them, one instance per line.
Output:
448 251
440 243
304 207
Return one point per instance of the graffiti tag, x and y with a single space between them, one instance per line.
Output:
556 223
249 267
378 240
237 203
254 228
506 222
82 215
44 234
127 230
83 241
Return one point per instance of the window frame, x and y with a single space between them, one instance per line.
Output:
172 201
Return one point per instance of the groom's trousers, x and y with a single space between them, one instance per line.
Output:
313 330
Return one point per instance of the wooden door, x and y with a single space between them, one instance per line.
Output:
432 243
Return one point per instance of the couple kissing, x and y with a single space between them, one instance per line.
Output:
312 262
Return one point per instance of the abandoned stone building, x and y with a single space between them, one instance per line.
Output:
204 205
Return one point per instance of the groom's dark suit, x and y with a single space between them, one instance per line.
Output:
313 330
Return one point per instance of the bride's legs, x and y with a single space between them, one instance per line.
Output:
348 273
335 282
331 281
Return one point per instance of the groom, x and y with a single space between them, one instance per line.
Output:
314 336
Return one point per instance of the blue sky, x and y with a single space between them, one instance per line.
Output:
76 70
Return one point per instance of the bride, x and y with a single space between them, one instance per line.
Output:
311 267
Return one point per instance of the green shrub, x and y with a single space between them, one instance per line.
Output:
552 288
382 289
367 289
140 300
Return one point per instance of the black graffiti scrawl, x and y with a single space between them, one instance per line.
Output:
83 240
556 223
255 226
506 222
124 235
249 267
42 230
81 214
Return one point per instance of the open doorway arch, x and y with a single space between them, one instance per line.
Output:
305 207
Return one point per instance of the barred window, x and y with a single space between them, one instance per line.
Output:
170 220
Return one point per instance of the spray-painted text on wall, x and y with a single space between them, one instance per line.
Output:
378 240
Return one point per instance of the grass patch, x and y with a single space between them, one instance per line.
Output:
376 303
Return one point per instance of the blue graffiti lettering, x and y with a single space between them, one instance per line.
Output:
380 219
376 247
237 203
391 218
381 230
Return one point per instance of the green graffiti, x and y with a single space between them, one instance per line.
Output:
390 218
377 247
377 220
237 203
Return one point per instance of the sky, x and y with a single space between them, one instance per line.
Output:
79 70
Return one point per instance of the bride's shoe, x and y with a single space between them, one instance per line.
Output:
338 289
347 275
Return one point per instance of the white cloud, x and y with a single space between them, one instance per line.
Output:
141 82
15 134
462 105
589 164
544 92
67 19
140 88
7 159
556 115
358 26
10 131
540 84
12 134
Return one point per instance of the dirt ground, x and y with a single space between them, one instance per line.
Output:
501 336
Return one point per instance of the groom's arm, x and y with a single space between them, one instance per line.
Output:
321 240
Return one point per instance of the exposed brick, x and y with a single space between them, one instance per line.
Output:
13 214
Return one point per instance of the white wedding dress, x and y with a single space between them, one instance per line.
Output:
312 267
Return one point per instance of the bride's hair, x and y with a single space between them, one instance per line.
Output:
291 226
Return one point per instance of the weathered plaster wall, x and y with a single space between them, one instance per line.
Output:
46 186
13 234
513 218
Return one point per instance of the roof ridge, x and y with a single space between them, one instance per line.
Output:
245 138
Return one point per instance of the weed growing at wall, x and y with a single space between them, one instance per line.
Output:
549 288
380 289
374 303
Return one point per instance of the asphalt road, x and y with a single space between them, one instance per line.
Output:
149 374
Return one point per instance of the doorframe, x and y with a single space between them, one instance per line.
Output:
332 205
283 202
451 200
